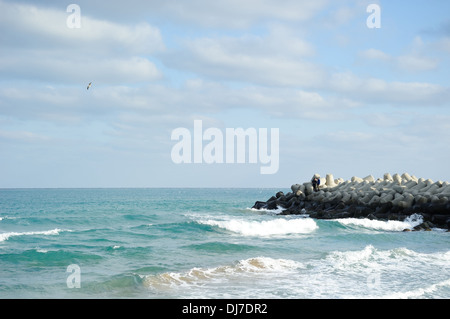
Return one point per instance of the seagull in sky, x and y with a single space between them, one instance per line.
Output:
89 85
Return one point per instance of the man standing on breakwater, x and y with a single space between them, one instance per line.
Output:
315 182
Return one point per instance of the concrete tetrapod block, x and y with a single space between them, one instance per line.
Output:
445 190
397 179
388 197
357 179
406 177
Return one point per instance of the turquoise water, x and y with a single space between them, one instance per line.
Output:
205 243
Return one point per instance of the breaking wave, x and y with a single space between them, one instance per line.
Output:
272 227
390 225
269 211
6 236
365 273
198 276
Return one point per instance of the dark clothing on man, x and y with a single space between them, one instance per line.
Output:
315 183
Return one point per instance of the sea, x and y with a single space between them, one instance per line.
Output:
177 243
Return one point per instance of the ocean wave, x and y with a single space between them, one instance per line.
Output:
363 273
371 273
380 271
371 255
426 292
273 227
199 276
6 236
390 225
270 211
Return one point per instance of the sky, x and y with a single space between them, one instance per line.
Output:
347 98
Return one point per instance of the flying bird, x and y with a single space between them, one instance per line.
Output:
89 85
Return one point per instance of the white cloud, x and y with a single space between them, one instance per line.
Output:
51 67
375 54
379 91
341 15
23 137
279 58
282 59
350 137
416 63
416 60
27 26
385 120
240 14
38 45
444 44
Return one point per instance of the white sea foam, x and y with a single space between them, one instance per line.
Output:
342 259
199 276
267 264
6 236
386 257
419 292
364 273
390 225
272 227
380 271
7 217
270 211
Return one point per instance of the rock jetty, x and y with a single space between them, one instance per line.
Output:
389 198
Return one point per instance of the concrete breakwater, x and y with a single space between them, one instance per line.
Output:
389 198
